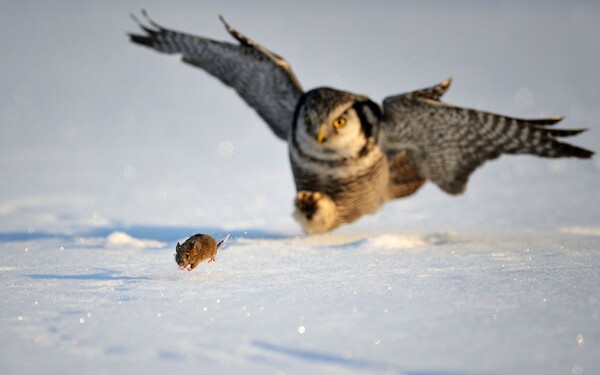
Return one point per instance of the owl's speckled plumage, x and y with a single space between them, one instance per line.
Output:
349 155
354 175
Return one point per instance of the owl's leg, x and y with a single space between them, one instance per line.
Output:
315 211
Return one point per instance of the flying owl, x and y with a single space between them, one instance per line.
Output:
349 155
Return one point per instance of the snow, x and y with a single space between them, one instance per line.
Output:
123 240
388 303
111 154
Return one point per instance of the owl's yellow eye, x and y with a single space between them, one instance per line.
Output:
339 122
307 121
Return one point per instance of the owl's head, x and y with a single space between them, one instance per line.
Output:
329 121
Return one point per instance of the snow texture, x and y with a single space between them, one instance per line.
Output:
111 153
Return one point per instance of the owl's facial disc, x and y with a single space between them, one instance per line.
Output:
329 124
338 123
340 130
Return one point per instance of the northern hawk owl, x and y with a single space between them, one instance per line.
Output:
348 154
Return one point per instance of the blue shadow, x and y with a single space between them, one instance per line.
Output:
355 363
152 232
101 275
314 356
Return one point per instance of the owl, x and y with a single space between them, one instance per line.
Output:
350 155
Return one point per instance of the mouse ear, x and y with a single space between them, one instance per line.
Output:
177 247
197 245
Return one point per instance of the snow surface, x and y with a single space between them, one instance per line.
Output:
110 154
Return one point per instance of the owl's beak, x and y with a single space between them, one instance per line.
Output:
321 136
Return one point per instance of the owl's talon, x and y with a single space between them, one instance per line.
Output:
307 201
315 211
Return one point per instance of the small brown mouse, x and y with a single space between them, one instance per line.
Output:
197 249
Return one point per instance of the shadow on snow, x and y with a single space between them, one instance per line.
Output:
151 232
329 358
100 275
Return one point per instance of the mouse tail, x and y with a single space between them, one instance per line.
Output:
222 241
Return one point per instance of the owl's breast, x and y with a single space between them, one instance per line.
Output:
357 185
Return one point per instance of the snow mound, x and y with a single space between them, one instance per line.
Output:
121 240
390 241
583 231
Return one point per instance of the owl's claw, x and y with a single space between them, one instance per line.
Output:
307 201
315 211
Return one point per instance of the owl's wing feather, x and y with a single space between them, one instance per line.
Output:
262 78
445 144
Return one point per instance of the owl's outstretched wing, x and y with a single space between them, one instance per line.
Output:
262 78
428 139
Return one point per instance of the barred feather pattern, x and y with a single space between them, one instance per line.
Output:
357 186
262 78
448 143
357 183
413 138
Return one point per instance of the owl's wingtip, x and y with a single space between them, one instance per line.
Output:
227 26
445 84
148 20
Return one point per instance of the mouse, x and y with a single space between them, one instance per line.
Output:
197 249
